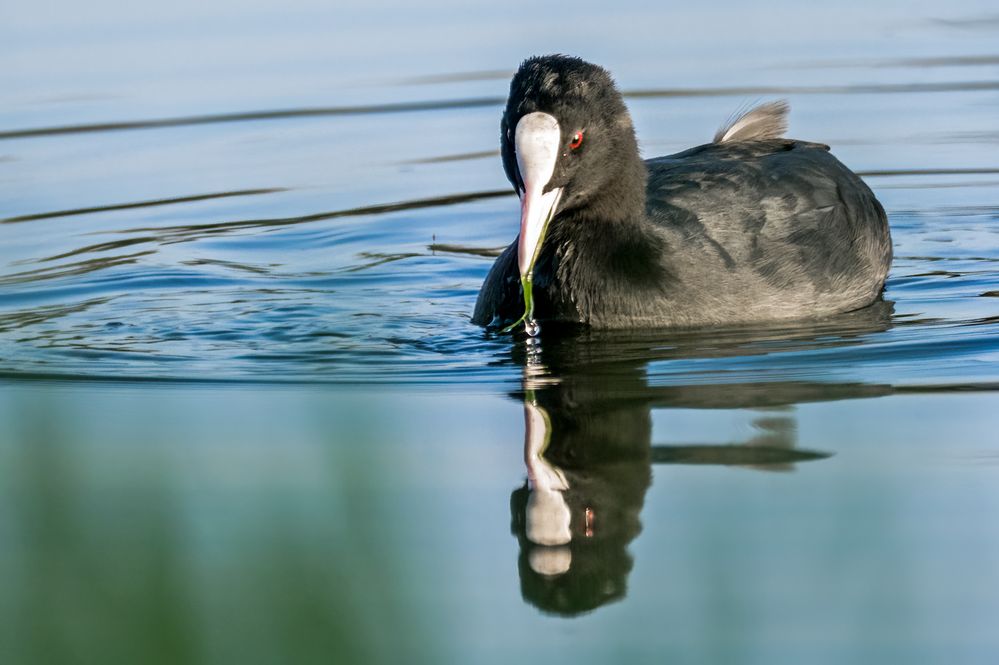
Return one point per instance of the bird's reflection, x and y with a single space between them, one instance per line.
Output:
588 468
589 453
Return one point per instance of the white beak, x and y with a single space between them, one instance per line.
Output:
536 141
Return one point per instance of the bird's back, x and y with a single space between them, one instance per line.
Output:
765 230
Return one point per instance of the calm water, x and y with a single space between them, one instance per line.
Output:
244 416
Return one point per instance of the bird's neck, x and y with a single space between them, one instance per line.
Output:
608 248
621 198
613 226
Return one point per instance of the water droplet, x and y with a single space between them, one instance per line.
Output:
532 328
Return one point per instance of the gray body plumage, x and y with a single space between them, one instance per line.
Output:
752 228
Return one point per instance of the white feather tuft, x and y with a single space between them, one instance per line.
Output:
766 121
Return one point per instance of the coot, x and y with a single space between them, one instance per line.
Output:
751 227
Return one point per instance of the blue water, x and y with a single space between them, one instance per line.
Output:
244 415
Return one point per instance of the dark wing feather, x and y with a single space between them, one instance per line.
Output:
768 229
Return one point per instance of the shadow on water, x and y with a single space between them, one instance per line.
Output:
589 451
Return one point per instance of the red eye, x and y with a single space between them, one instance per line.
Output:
577 140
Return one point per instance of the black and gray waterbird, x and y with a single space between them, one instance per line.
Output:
749 228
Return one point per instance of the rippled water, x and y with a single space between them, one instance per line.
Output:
241 397
371 294
347 243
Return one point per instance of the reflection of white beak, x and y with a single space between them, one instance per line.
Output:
548 518
536 142
548 514
542 474
550 561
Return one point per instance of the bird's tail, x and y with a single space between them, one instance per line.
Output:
766 121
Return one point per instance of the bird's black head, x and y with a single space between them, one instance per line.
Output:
568 144
596 129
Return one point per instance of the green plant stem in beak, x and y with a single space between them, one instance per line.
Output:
528 288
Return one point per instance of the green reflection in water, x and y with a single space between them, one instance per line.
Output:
130 540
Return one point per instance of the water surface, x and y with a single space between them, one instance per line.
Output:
244 415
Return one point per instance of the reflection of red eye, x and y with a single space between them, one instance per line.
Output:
577 140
